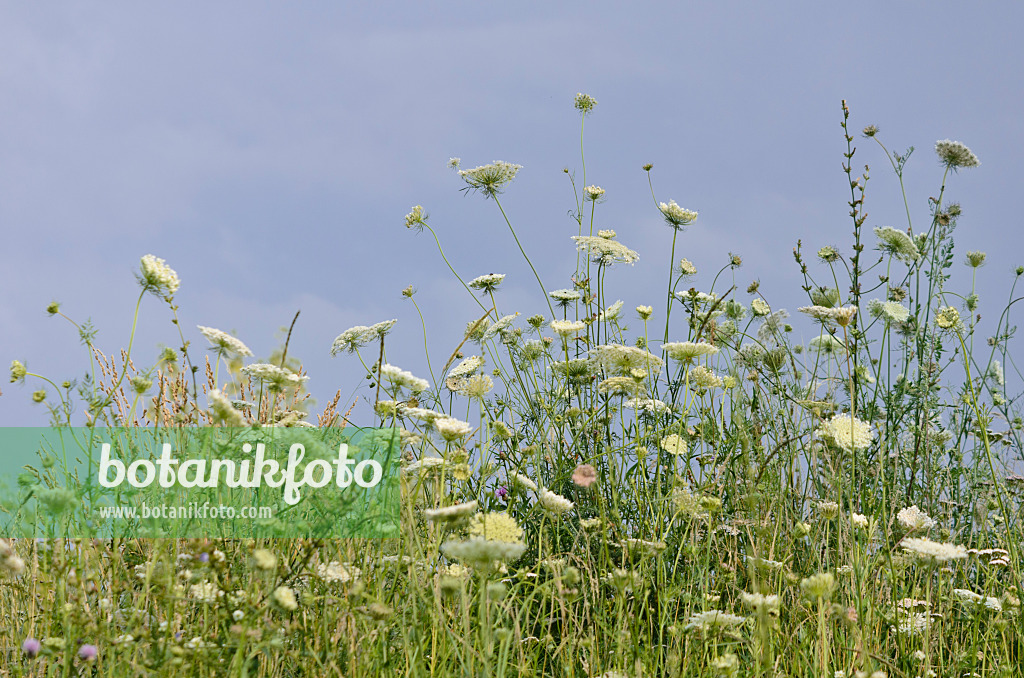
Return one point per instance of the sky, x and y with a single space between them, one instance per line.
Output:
269 152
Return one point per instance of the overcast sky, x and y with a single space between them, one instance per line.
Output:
269 152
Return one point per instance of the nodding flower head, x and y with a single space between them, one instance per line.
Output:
490 179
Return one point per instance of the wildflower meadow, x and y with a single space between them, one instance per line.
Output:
588 490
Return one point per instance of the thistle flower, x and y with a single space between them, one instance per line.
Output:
555 503
223 343
914 519
487 283
897 243
566 328
88 653
605 250
932 550
450 513
955 154
584 475
490 179
157 277
584 103
676 216
400 378
846 432
31 648
356 337
686 351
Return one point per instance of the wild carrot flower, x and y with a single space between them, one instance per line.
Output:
223 411
284 598
955 154
273 375
18 371
564 297
819 586
713 619
686 351
686 267
487 283
555 503
157 277
450 513
975 259
490 179
914 519
496 526
566 328
584 103
417 218
675 445
932 550
619 359
948 318
452 429
889 311
400 378
356 337
523 481
224 343
467 367
846 432
676 216
605 250
897 243
759 307
593 193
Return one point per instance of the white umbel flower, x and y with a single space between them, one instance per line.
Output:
224 343
553 502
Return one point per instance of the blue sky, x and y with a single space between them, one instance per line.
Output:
270 151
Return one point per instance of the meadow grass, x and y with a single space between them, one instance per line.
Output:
705 497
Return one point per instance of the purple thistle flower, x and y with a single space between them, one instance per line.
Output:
31 647
88 652
501 493
204 557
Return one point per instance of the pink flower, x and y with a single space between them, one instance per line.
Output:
585 475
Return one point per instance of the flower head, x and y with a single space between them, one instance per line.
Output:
487 283
275 376
593 193
585 475
914 519
676 216
400 378
555 503
932 550
567 328
223 343
584 103
897 243
31 647
686 351
948 318
18 371
846 432
496 526
88 652
605 250
955 154
356 337
490 179
157 277
417 218
565 297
